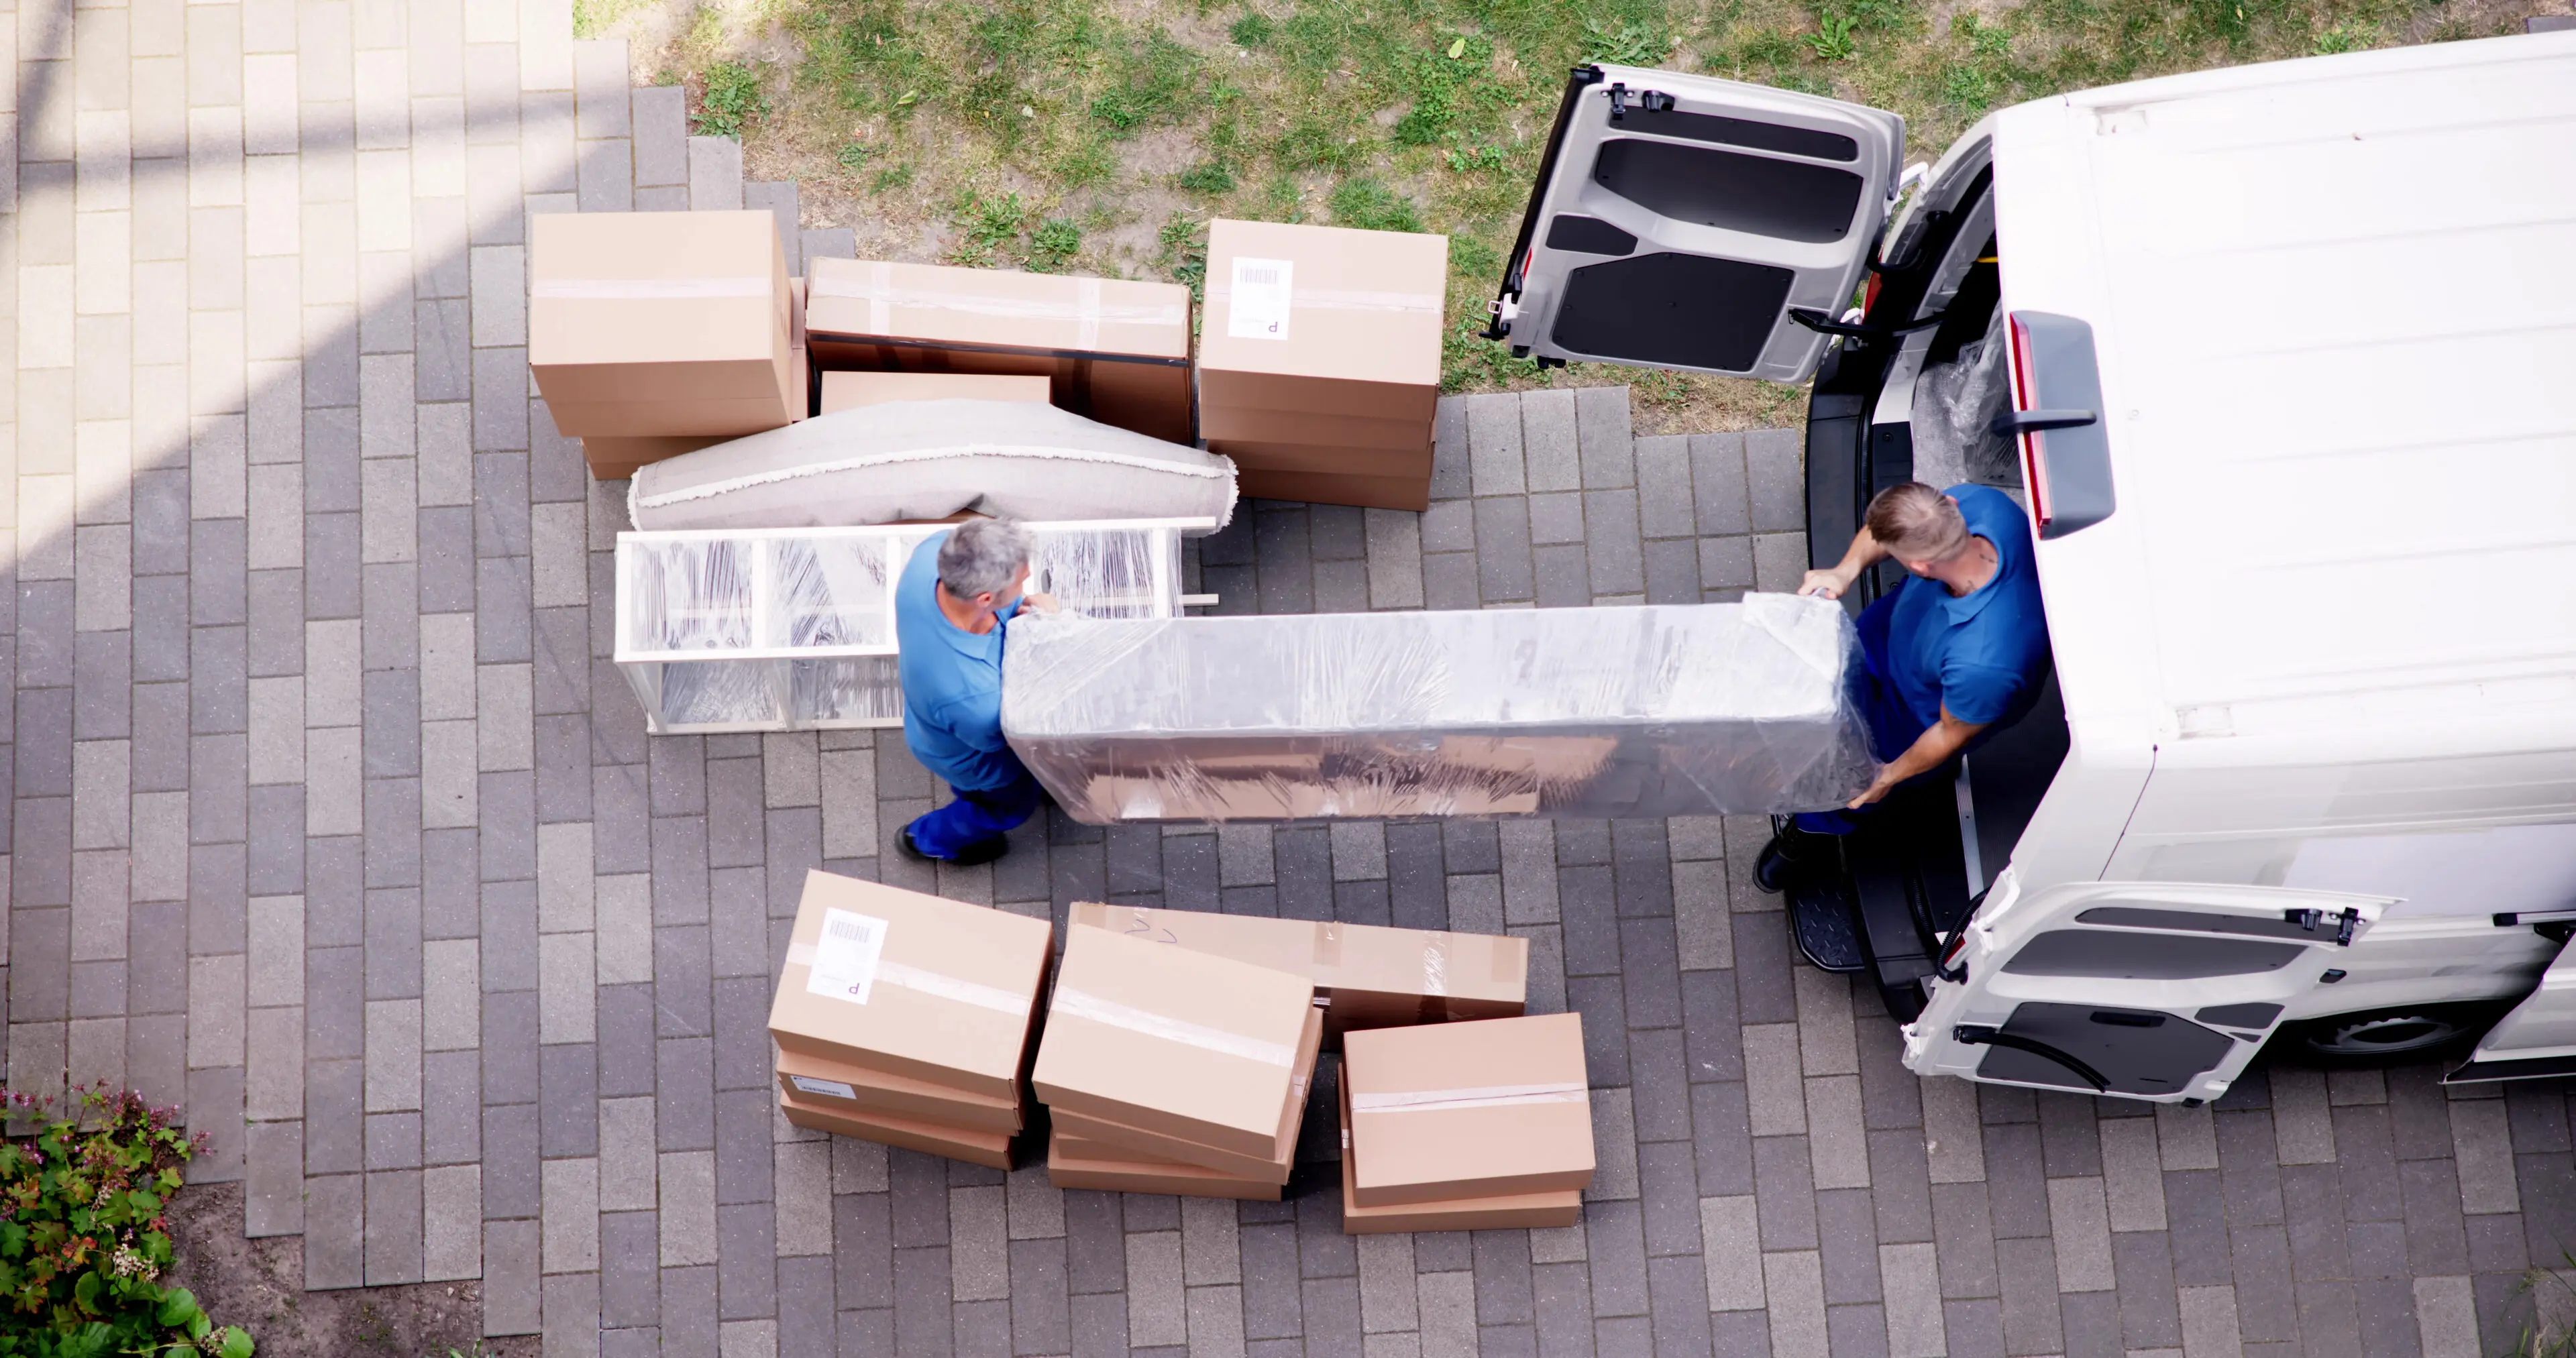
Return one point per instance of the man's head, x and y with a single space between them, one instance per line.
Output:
1919 526
985 562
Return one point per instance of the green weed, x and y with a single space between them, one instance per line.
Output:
1252 30
1209 176
1053 245
2348 37
1832 40
731 100
1371 206
1181 253
853 156
1628 44
891 178
986 227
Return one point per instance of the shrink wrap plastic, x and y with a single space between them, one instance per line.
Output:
1571 713
790 628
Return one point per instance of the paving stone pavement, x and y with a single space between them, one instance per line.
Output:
331 820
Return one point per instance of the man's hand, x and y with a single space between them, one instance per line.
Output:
1885 784
1034 602
1825 584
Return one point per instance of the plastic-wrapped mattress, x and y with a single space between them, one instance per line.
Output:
1576 713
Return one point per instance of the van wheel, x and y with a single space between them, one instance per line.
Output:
2383 1036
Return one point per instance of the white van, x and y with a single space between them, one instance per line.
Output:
2283 360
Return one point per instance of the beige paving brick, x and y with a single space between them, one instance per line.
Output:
215 156
1774 1093
273 310
801 1178
1952 1138
2079 1221
688 1207
625 904
330 254
271 122
215 1006
105 179
451 1236
567 988
322 38
1793 1286
1731 1249
504 711
570 1212
393 1055
273 1078
436 44
159 869
103 278
276 933
450 784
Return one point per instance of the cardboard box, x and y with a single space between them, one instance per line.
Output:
1334 488
1270 1164
840 1087
912 985
1073 1163
849 391
1321 320
1114 350
614 458
661 324
1190 1045
1468 1110
1301 459
1315 429
991 1149
1365 975
1560 1207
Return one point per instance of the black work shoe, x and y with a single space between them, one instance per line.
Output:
1792 855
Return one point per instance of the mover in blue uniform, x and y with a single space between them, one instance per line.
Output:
1955 653
952 613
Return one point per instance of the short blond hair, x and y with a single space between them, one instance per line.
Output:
1914 522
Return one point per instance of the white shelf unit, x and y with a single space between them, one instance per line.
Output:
793 628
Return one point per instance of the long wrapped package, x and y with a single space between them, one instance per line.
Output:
928 460
1576 713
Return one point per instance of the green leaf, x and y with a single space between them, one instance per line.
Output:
1457 49
179 1307
235 1343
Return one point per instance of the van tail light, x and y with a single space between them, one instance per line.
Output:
1869 295
2057 420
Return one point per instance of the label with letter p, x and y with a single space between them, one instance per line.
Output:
1258 308
845 957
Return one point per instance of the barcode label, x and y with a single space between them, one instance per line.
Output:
845 957
833 1088
1259 307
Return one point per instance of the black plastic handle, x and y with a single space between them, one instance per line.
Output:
2013 422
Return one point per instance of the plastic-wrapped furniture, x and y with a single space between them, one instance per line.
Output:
1574 712
786 629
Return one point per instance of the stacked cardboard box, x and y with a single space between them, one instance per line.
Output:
1113 350
1465 1126
1319 365
1173 1071
651 332
905 1019
1365 975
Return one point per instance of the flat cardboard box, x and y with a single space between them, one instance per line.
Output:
1468 1110
1072 1163
948 994
1365 975
850 391
1361 327
861 1092
1190 1045
1114 350
1560 1207
661 324
1371 492
992 1149
1298 459
1271 1164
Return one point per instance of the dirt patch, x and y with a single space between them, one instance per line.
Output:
259 1285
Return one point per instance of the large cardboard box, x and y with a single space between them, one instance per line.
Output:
1114 350
1408 467
661 324
913 985
1468 1110
1075 1163
1271 1163
857 1090
1334 488
615 458
992 1149
1559 1207
1190 1045
850 391
1365 975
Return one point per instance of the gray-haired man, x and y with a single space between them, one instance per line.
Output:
956 598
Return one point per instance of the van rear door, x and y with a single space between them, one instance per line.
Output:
2538 1038
2155 990
1679 221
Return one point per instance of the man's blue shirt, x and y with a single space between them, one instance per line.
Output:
1983 655
952 682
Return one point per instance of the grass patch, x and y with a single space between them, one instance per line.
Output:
1101 135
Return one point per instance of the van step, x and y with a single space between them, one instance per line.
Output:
1820 919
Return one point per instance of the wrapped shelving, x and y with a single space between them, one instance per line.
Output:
1576 712
783 629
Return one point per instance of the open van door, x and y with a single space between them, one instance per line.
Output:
2538 1038
1689 223
2152 990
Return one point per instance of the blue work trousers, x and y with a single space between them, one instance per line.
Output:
975 816
1893 727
